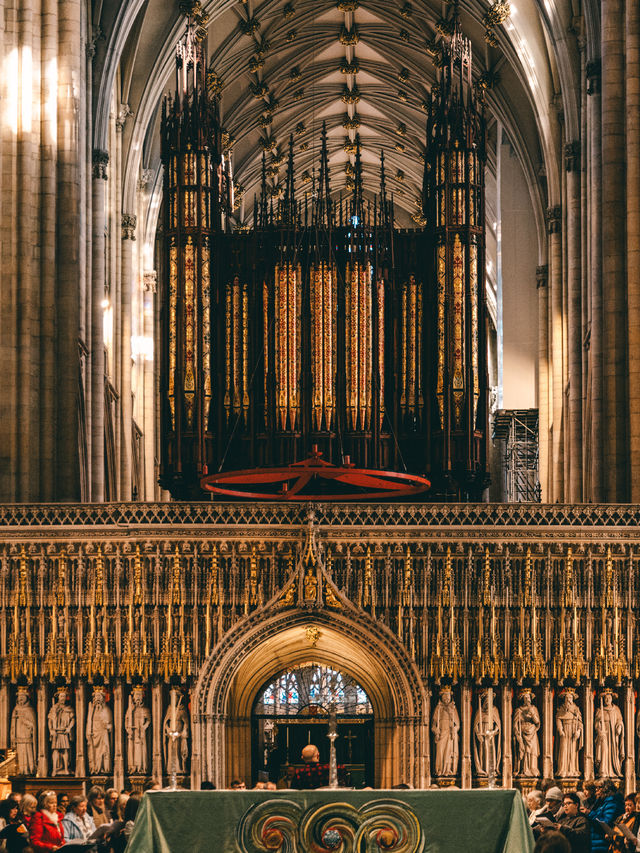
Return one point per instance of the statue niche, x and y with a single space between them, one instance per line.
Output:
137 722
176 734
445 726
487 733
62 722
23 733
99 734
609 737
570 736
526 725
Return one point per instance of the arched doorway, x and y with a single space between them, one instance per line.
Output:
294 709
278 641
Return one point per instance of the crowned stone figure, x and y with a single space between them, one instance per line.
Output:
62 722
23 733
570 731
526 724
445 725
609 740
99 729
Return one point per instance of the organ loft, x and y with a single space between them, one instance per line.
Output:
318 404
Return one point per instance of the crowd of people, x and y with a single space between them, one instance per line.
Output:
595 819
100 822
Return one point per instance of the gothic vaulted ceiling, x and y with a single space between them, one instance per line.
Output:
286 66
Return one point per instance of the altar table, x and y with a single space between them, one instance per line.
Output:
332 821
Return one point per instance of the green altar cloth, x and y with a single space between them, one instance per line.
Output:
340 821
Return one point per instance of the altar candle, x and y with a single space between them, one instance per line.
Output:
173 710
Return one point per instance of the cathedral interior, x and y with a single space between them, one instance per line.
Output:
318 329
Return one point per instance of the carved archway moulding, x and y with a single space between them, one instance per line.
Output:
264 645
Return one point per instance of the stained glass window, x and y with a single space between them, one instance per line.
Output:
313 689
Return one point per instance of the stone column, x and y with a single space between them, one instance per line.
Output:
616 445
156 717
554 228
81 719
128 236
594 412
507 740
5 713
100 160
9 343
150 286
196 734
465 722
426 744
630 740
588 731
28 296
118 727
71 111
48 212
574 321
43 730
215 750
543 380
632 161
548 723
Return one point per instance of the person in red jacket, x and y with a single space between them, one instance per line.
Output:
45 832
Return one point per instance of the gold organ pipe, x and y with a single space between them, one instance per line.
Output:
367 361
381 308
290 341
362 341
298 342
349 349
475 365
403 351
265 347
190 342
442 337
227 389
237 346
280 341
317 308
245 352
206 331
458 327
173 303
420 399
411 332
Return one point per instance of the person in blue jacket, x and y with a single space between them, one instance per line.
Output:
609 804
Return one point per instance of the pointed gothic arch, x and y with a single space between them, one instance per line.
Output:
263 645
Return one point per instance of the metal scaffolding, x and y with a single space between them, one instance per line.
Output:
517 429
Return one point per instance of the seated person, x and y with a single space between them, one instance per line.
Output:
77 824
314 774
550 812
573 825
45 831
15 834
